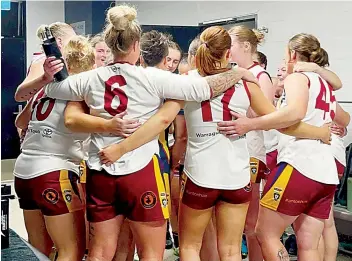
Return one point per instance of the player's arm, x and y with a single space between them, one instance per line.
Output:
78 119
147 132
24 116
342 118
33 82
326 74
179 148
188 88
262 106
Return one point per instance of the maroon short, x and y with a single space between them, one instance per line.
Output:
54 193
258 170
197 197
340 169
289 192
139 196
271 161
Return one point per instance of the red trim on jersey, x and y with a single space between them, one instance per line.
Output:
206 111
307 78
264 72
38 53
253 65
247 90
226 115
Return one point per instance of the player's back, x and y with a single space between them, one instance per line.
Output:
122 87
312 158
212 159
48 144
126 89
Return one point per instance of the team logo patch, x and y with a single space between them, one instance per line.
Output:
164 200
148 200
51 195
254 170
248 188
277 193
68 195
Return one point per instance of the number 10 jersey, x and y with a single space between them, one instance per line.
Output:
48 145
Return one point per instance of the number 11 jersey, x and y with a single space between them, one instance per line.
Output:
212 159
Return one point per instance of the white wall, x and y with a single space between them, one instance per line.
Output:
41 12
329 21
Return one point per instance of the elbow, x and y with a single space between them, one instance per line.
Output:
20 125
69 122
166 120
337 86
18 96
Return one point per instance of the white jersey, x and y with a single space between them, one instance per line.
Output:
139 91
255 139
312 158
48 145
212 159
338 149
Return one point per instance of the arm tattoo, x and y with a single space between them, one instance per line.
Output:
219 83
283 255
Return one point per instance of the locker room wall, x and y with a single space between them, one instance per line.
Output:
77 11
326 20
37 13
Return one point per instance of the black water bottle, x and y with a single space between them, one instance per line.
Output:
51 49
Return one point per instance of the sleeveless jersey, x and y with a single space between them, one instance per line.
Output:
48 144
116 88
312 158
255 139
212 159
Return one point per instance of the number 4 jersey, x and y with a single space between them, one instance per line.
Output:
312 158
212 159
48 144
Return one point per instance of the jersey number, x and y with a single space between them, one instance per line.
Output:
111 92
38 108
226 115
321 102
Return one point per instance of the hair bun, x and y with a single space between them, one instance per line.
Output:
260 36
320 57
121 17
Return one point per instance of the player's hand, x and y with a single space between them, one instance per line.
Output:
247 75
111 154
241 125
51 66
121 127
339 131
326 134
305 67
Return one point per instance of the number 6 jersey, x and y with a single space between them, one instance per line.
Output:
113 89
312 158
212 159
48 144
